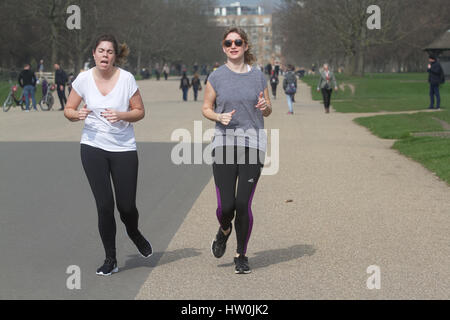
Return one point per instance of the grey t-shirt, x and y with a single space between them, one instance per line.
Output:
240 92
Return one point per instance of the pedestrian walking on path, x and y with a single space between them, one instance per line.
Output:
60 81
166 71
274 84
239 144
108 145
436 77
327 81
184 86
290 87
196 85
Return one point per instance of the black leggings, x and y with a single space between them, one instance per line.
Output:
100 166
274 90
326 93
246 176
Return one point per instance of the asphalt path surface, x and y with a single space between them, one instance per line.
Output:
49 222
341 204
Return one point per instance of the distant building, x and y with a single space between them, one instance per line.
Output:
256 24
441 48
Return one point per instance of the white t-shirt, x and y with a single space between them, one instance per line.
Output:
99 132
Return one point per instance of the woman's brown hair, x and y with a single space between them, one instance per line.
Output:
121 50
249 58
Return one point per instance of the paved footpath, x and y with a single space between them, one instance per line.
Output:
355 203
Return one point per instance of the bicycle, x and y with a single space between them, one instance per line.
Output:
11 100
47 100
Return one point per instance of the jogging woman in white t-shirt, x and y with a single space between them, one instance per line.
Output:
108 146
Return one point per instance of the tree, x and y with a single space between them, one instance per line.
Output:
155 30
337 29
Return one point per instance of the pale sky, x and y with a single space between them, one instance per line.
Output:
250 2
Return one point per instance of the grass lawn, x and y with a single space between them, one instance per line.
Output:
398 92
432 152
399 126
5 88
381 92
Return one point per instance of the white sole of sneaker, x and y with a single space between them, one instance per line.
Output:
146 257
245 272
212 242
115 270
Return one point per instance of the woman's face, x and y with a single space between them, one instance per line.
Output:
104 55
234 52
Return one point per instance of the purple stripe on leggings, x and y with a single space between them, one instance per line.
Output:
250 219
219 206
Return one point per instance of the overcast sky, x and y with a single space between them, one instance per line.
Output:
250 2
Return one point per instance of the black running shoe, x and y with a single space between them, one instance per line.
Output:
109 267
219 244
242 266
143 245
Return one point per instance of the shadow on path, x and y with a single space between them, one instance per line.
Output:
263 259
159 258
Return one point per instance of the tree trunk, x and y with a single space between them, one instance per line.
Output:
139 56
53 33
360 61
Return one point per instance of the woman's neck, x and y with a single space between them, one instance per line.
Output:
105 74
238 66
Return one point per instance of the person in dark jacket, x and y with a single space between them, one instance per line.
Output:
60 81
274 83
27 80
185 85
290 87
196 85
435 78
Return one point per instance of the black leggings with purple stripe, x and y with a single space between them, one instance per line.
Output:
243 169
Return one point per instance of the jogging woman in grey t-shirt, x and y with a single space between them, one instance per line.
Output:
237 99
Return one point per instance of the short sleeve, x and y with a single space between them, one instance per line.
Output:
212 79
79 84
132 86
263 80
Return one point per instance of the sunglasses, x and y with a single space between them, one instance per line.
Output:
237 42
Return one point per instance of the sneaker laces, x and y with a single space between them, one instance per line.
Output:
109 261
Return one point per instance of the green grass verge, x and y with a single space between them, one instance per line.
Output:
432 152
399 126
381 92
5 88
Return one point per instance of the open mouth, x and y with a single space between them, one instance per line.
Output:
104 62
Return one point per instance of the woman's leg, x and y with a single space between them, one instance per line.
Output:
326 93
97 168
249 174
289 101
195 94
225 178
124 172
330 92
